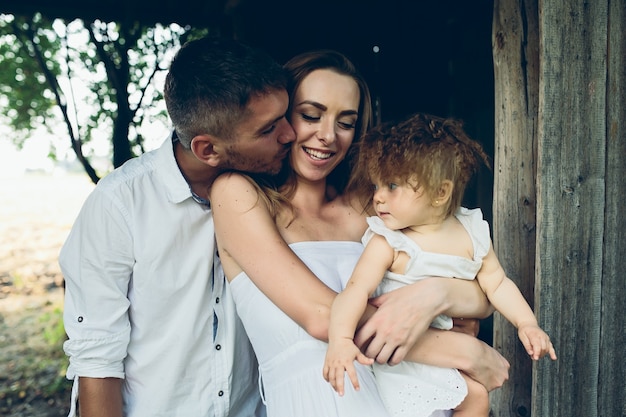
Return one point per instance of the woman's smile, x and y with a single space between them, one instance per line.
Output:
317 154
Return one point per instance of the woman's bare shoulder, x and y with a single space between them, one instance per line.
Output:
232 178
234 186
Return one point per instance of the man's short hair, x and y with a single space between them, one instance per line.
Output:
211 81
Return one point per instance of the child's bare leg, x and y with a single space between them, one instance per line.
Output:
476 403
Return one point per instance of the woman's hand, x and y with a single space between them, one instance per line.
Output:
404 314
448 349
488 367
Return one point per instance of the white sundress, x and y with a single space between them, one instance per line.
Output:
412 389
290 360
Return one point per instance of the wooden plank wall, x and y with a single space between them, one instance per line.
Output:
516 71
578 189
570 204
612 366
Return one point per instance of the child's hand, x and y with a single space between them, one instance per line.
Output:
340 357
536 342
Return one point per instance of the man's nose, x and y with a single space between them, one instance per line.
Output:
287 133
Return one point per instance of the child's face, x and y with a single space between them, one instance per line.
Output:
400 206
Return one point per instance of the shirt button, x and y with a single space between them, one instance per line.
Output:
218 347
217 300
221 393
80 319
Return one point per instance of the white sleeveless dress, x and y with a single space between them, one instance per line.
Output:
290 360
418 390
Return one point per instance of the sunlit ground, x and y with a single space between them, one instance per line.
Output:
36 213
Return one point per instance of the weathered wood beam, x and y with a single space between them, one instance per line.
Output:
516 71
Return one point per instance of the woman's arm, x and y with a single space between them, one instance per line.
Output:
449 349
388 339
249 241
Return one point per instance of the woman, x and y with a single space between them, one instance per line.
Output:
307 210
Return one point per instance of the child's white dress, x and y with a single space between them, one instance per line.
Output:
417 390
290 360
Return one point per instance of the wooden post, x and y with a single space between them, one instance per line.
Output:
571 203
612 372
516 71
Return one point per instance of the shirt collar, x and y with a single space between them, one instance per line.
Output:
176 187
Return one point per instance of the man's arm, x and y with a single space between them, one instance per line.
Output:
100 397
388 339
96 293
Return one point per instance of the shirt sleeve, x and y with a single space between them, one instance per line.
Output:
97 262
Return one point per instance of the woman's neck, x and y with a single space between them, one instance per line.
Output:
310 197
317 216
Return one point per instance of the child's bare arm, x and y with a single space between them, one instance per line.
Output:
348 308
504 295
510 302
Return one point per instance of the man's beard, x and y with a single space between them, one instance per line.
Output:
239 162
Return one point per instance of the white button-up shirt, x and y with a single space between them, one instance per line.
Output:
146 298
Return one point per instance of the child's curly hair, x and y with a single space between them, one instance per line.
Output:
423 151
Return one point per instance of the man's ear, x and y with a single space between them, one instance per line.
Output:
444 192
204 148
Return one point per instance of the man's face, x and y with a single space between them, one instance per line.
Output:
261 141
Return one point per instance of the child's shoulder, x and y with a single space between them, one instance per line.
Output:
474 213
477 227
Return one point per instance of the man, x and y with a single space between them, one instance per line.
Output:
152 328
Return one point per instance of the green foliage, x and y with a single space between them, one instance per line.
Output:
23 89
92 80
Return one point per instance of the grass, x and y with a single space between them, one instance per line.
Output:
32 374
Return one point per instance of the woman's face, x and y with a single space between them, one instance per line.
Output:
324 115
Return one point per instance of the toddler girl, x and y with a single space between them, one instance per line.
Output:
419 170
